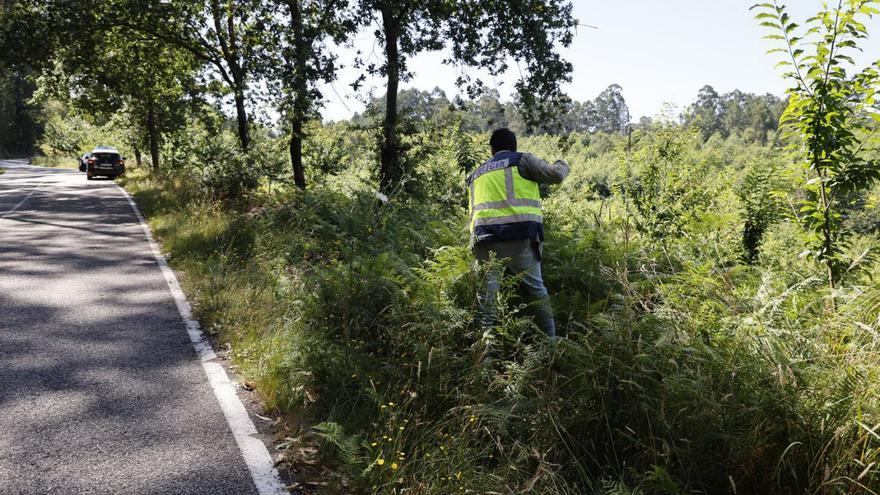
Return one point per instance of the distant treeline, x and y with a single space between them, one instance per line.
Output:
751 115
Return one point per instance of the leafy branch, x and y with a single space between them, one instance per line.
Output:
829 116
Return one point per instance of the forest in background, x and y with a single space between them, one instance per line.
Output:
713 272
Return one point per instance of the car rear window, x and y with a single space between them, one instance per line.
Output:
106 157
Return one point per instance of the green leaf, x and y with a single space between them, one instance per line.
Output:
762 6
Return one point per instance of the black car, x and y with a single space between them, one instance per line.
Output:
105 161
84 162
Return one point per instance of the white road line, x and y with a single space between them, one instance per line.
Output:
254 452
10 212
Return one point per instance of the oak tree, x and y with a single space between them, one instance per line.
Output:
305 60
484 34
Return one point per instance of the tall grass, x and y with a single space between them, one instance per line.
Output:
683 370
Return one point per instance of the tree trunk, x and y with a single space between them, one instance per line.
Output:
244 136
153 131
828 244
827 240
23 123
300 96
299 177
18 117
138 160
389 174
228 39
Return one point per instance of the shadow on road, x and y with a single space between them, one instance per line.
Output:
100 389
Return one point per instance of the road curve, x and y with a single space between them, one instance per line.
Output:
101 390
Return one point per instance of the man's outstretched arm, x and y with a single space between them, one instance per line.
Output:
533 168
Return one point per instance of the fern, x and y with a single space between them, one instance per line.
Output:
347 446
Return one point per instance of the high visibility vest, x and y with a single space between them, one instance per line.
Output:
503 205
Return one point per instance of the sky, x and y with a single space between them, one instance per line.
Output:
658 51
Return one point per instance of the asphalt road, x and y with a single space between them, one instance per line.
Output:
100 388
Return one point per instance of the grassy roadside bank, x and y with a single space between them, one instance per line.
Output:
54 162
354 321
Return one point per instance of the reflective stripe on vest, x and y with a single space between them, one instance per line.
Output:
503 205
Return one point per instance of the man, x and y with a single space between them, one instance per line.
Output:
506 221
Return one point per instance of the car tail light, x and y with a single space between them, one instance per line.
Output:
92 161
120 162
